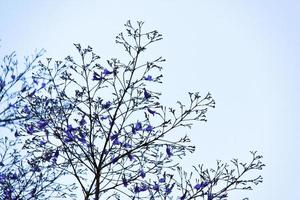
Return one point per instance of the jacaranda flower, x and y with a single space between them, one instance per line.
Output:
142 173
106 72
96 77
147 95
156 187
169 151
148 78
149 128
125 182
82 121
151 111
106 105
138 126
127 145
30 129
42 124
210 196
169 189
200 186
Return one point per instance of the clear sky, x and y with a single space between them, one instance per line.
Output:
246 53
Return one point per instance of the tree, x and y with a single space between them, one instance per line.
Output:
21 176
103 125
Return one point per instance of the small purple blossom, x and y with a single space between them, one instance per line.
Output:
114 136
169 189
131 157
103 117
155 187
169 151
151 111
124 181
70 135
26 110
106 72
82 138
42 124
163 179
43 85
136 189
127 145
35 81
106 105
30 129
147 95
148 78
138 126
149 128
96 77
200 186
210 196
116 141
2 84
142 173
82 121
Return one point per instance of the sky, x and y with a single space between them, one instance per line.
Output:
245 53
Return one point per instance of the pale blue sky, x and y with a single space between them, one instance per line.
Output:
246 53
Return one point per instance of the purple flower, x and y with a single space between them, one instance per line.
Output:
147 95
32 93
82 138
210 196
13 77
106 105
96 77
143 188
183 196
151 111
70 128
104 117
114 136
43 142
2 84
130 157
26 110
2 178
32 192
30 129
70 135
116 141
163 180
114 159
200 186
125 182
148 78
42 124
35 81
149 128
142 173
169 189
56 154
136 189
127 145
82 121
138 126
169 151
43 85
13 176
106 72
156 187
